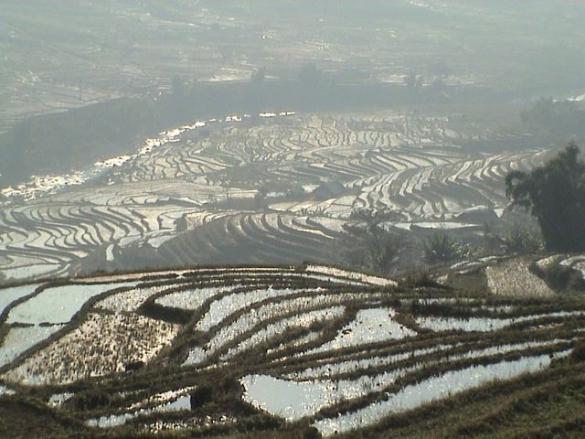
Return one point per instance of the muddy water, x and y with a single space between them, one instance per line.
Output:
432 389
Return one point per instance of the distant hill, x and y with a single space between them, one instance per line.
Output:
76 138
57 142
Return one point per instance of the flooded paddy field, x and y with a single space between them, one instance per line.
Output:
282 188
307 349
256 219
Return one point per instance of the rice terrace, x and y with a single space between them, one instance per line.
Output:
260 219
292 349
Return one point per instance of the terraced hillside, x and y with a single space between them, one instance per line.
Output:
285 351
253 189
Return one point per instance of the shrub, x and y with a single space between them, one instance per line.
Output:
441 248
578 353
520 240
312 433
92 399
564 278
371 248
202 395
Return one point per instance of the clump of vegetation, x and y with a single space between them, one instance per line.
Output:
421 280
312 433
578 353
441 248
372 248
521 240
92 399
202 395
564 278
555 196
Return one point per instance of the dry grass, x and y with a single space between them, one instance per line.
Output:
513 278
101 345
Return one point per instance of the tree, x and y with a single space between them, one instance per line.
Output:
555 195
